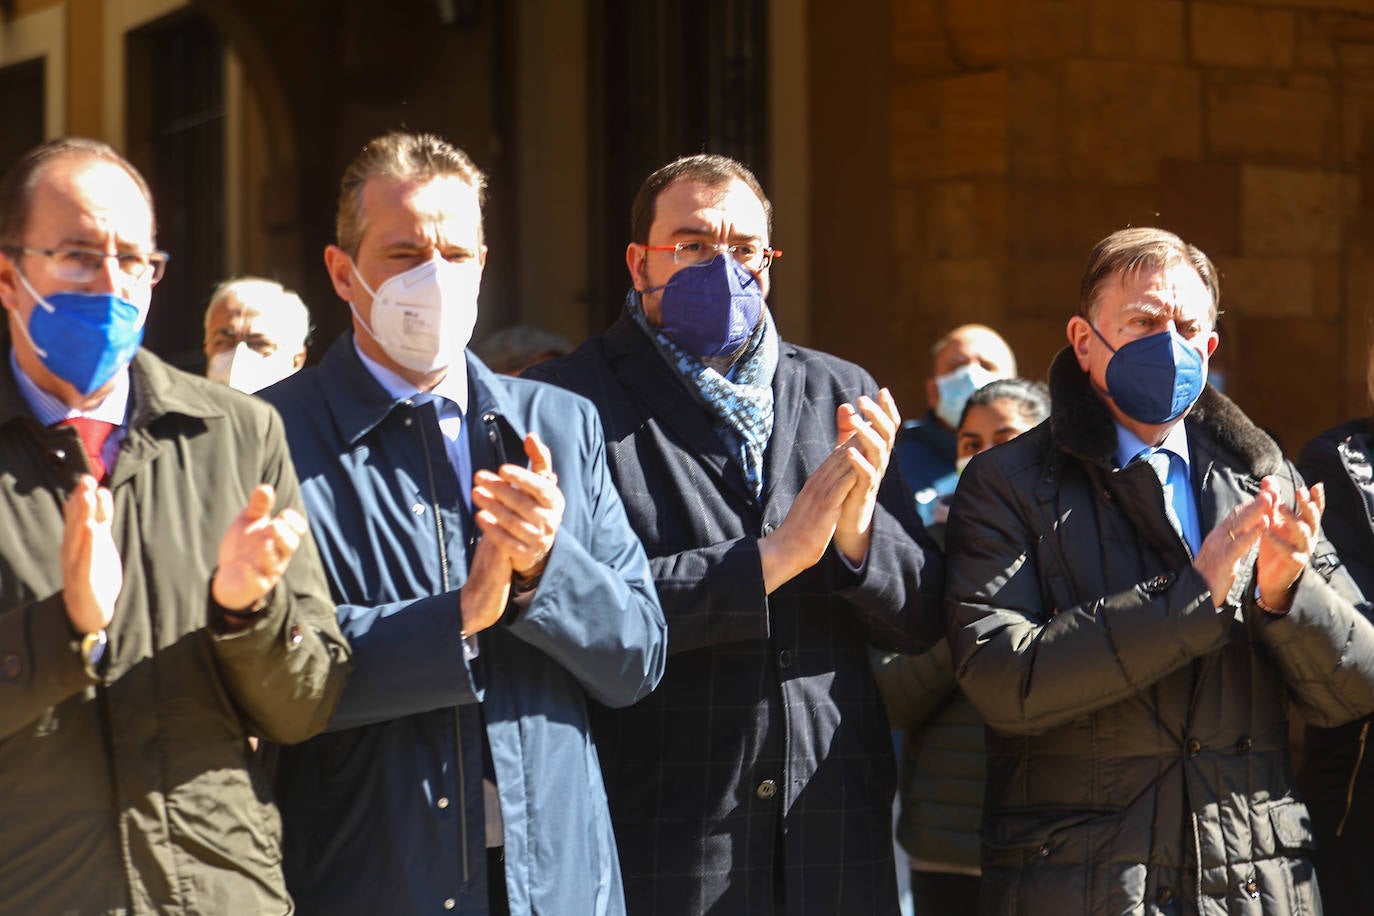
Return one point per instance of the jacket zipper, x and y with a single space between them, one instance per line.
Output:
1350 787
457 714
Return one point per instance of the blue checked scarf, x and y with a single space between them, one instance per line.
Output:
741 396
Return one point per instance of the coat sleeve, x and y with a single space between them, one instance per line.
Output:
390 678
287 671
595 610
914 687
39 667
1029 666
1324 645
897 593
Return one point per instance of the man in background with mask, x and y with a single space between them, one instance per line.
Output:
154 611
964 360
485 575
1138 590
759 777
256 332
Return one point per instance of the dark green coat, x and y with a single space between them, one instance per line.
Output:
138 793
1138 755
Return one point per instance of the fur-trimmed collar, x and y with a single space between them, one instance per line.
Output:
1082 426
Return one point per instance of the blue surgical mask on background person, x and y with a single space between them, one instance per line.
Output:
423 317
956 388
1154 379
711 309
83 338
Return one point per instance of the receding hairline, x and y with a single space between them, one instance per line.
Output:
76 154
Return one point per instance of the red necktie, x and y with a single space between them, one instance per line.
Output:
93 434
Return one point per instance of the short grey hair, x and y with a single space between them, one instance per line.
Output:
265 297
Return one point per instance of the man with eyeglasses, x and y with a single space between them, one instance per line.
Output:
154 611
256 331
759 776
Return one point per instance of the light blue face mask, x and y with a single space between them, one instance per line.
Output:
1155 379
83 338
956 388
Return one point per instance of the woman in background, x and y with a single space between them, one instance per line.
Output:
943 765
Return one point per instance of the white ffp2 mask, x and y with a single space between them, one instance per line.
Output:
423 318
245 369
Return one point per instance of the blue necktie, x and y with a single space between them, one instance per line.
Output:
1161 462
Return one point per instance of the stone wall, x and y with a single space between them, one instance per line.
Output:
1022 131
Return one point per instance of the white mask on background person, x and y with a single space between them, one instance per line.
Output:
423 318
956 388
245 369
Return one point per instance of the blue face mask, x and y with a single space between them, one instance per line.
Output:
1154 379
83 338
711 309
956 388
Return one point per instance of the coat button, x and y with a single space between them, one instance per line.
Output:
442 803
295 634
450 903
418 508
1194 747
767 789
785 658
1165 896
767 529
57 457
1244 745
1044 852
11 667
1252 888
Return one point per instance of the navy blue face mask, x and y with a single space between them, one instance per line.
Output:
711 309
1154 379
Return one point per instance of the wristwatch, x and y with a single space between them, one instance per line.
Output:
92 651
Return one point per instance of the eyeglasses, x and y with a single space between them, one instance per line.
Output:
688 253
83 265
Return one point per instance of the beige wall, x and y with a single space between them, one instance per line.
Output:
1024 130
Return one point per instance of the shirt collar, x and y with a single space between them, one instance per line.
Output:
50 409
1128 444
453 387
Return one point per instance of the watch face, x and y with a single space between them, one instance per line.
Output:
93 651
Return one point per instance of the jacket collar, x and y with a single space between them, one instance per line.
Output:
154 393
642 370
358 402
1082 426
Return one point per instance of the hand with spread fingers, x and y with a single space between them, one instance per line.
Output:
868 433
800 540
1290 535
519 509
255 551
92 572
1229 542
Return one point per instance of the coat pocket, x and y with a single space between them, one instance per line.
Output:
1292 825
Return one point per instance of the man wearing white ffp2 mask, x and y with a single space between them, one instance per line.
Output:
484 618
256 332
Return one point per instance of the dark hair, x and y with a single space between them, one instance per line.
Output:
403 156
1127 251
706 168
1032 399
18 184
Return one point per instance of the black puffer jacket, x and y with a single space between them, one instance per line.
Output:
1337 773
1138 757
